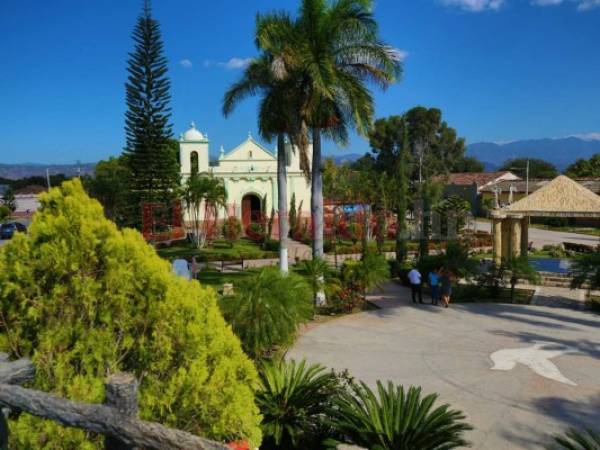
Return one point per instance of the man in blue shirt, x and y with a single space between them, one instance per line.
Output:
434 284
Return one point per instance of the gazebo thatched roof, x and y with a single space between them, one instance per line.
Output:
562 197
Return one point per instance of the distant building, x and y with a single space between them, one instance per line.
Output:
518 188
249 173
470 185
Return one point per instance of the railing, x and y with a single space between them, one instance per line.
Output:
116 419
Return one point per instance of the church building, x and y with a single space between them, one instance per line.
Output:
249 174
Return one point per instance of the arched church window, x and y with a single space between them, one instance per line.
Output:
250 154
194 162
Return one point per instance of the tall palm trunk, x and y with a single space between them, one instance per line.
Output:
282 203
316 197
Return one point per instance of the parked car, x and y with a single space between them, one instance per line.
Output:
7 230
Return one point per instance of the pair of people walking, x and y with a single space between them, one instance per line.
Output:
440 283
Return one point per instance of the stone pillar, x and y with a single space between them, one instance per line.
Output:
497 245
506 247
515 237
524 235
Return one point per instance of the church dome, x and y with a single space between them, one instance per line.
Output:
193 135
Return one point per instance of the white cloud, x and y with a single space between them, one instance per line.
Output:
582 5
588 136
231 64
186 63
475 5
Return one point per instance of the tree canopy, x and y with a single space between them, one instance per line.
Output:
538 168
84 299
585 167
148 151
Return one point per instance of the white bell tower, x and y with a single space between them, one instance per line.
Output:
193 151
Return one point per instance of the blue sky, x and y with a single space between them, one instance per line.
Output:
499 69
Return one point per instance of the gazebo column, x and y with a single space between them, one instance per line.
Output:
497 243
515 236
506 247
524 236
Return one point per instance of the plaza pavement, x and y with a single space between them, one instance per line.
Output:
449 351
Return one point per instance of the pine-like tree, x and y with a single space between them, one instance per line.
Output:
153 165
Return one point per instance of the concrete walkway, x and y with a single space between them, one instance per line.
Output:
546 362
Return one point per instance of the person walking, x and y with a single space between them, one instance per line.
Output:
446 282
415 278
434 285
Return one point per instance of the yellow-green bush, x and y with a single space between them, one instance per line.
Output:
85 300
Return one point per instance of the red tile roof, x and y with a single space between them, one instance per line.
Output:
479 178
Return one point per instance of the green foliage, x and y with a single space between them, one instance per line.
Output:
468 164
202 191
109 186
453 211
4 213
295 400
8 199
148 148
84 300
292 215
586 270
520 269
394 419
367 273
578 440
585 168
538 168
267 309
232 230
455 258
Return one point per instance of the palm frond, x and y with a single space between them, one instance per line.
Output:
392 418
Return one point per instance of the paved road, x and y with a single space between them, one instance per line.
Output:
449 351
546 237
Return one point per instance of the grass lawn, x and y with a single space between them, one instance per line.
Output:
216 279
219 250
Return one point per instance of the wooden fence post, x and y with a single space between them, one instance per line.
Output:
121 394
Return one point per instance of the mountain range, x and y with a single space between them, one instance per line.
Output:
16 171
560 151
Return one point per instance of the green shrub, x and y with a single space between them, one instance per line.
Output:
365 274
232 230
295 400
267 309
271 245
4 213
393 419
84 300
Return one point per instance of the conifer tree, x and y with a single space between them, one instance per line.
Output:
154 167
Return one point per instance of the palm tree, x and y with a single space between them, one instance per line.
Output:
267 309
397 419
199 190
295 399
520 269
586 270
262 78
216 196
331 49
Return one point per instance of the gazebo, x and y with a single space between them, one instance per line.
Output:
562 197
